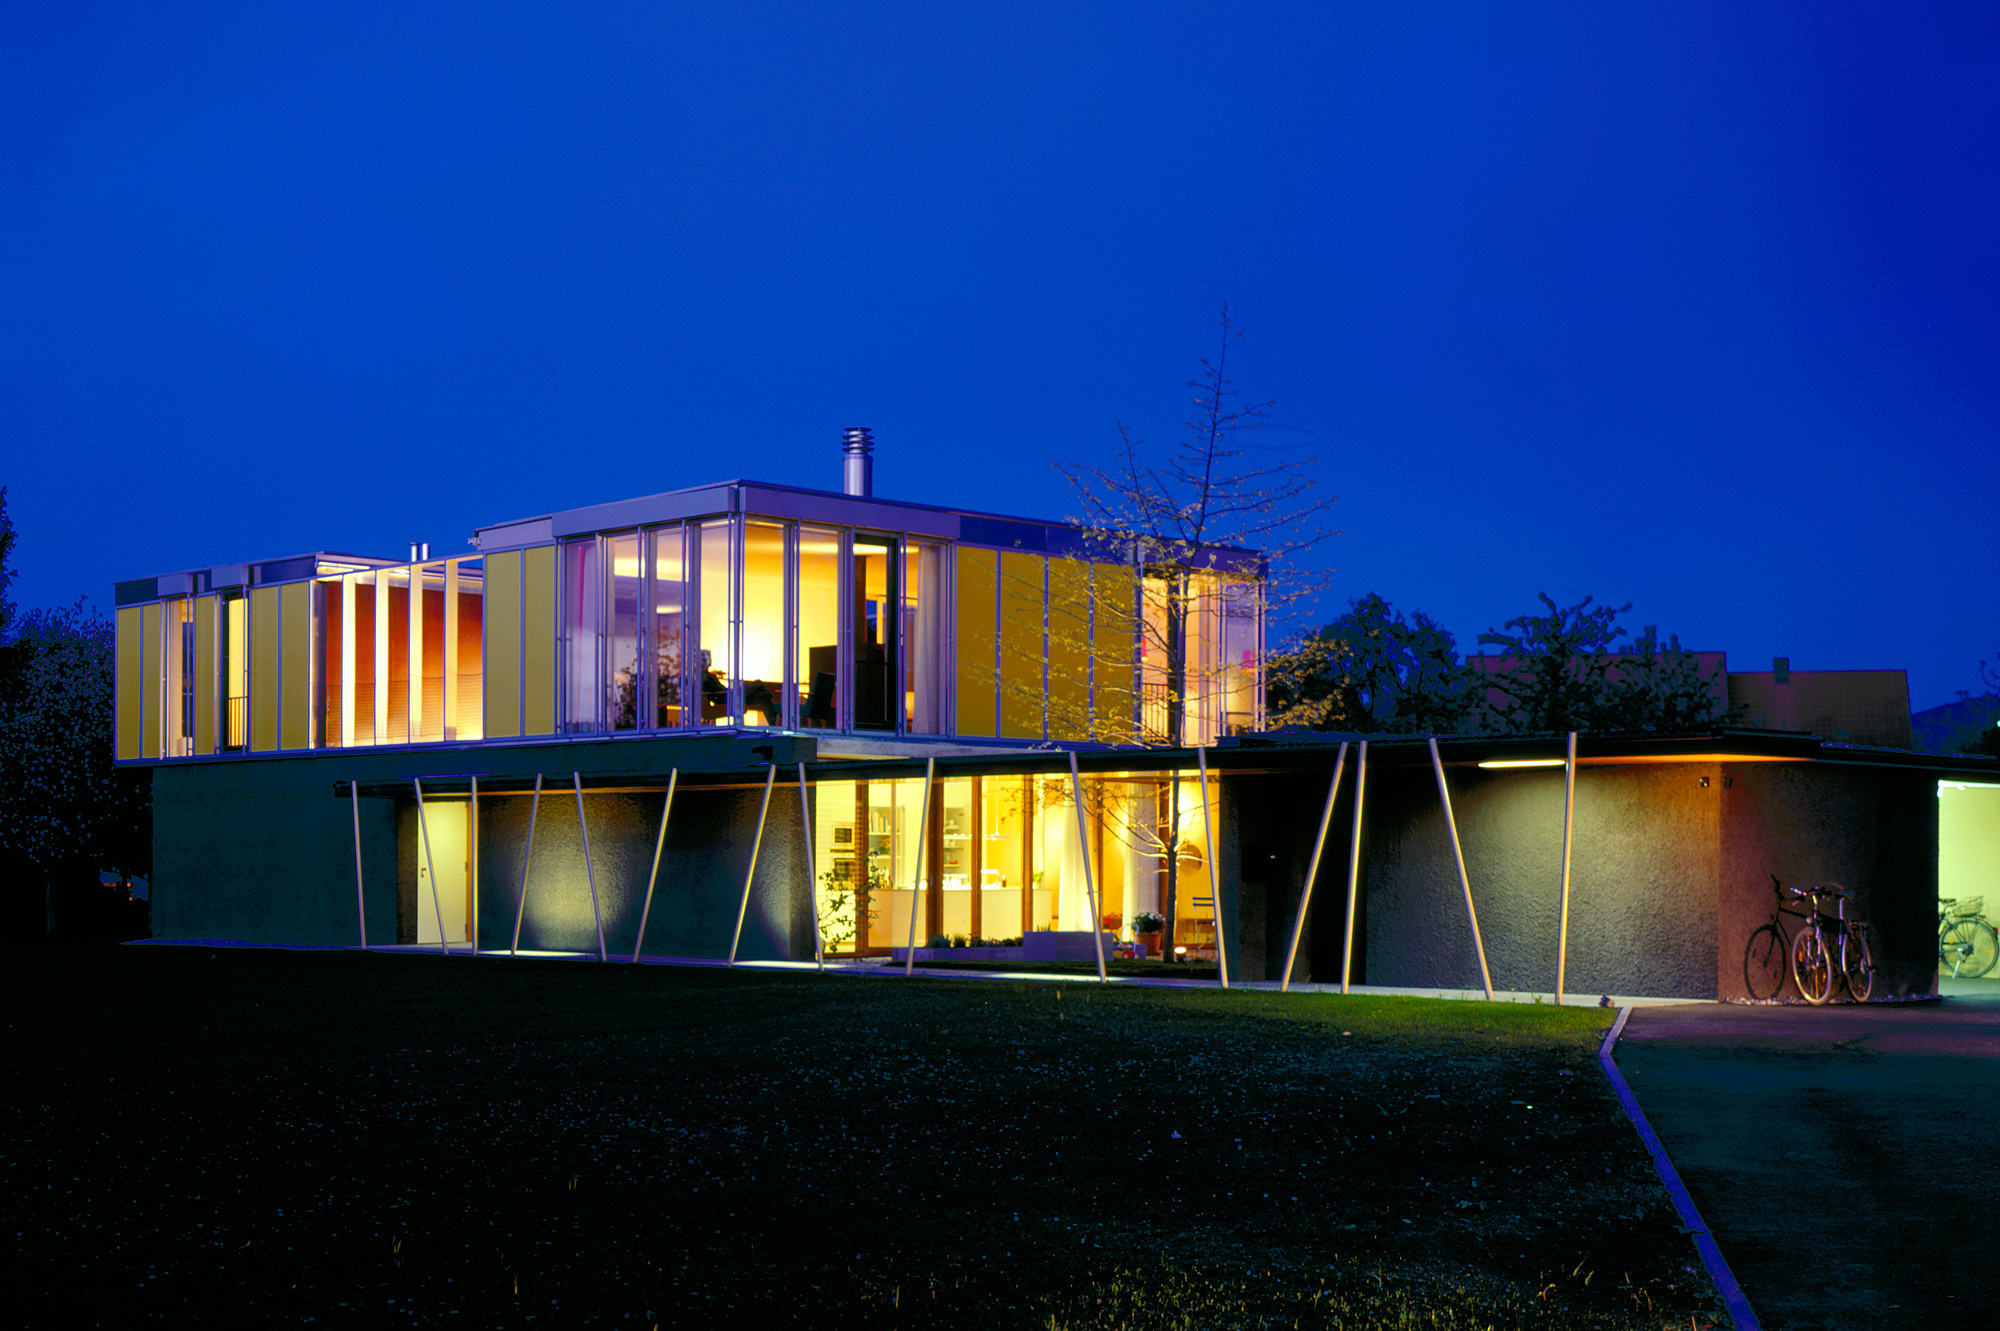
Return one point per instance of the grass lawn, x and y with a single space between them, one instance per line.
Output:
194 1136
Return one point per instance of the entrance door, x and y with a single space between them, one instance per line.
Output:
447 833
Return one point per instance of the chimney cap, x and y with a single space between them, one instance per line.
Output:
857 439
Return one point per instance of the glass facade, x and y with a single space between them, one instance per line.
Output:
1003 856
723 621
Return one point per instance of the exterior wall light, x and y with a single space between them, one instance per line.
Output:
1523 762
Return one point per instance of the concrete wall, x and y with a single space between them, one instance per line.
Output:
709 835
1643 874
1870 829
260 850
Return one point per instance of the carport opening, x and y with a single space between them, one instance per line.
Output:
1968 887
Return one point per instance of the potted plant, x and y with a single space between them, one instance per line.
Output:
1146 928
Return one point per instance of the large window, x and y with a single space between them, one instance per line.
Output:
624 708
816 673
765 621
583 670
872 631
923 630
715 662
233 680
670 597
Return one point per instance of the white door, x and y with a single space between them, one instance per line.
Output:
447 836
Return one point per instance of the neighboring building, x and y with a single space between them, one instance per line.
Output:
1862 707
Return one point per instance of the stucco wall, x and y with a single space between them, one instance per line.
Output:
260 850
709 835
1643 874
1870 829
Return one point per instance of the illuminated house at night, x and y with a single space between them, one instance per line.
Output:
866 712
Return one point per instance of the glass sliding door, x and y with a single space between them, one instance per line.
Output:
872 631
622 632
582 636
465 639
670 597
715 668
765 620
816 671
923 627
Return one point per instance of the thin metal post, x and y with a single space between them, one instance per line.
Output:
521 905
923 843
757 844
1569 825
1312 871
589 874
812 884
472 865
673 777
1089 878
360 902
1214 868
424 830
1353 869
1464 881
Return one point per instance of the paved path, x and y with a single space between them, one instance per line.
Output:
1846 1159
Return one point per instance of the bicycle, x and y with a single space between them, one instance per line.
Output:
1966 942
1810 956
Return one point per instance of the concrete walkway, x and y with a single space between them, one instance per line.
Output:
1846 1159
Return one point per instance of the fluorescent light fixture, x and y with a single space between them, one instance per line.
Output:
1524 762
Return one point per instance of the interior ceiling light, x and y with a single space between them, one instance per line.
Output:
1523 762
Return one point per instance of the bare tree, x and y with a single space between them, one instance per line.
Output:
1188 557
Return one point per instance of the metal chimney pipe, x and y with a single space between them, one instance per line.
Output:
857 470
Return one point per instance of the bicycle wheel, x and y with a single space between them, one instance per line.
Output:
1811 969
1968 948
1764 963
1857 964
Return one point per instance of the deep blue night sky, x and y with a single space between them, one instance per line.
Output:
1695 305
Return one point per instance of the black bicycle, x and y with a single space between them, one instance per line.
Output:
1825 946
1967 944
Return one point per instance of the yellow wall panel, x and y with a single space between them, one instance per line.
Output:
1069 649
149 672
538 628
1115 654
502 648
295 643
130 724
264 607
204 675
1021 606
978 571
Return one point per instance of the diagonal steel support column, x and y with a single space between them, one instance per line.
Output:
1464 881
770 776
1312 870
659 844
521 904
1569 827
360 901
1353 869
917 887
590 875
1214 868
812 884
1089 877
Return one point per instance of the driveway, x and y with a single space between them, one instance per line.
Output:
1844 1157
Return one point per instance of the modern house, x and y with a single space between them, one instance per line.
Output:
760 721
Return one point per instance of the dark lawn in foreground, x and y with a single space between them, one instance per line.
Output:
209 1136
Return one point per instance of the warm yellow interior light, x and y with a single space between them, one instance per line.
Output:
1523 762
